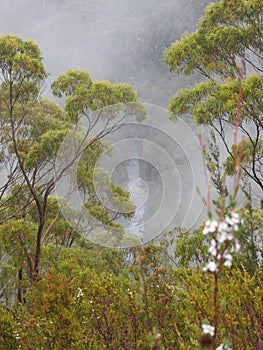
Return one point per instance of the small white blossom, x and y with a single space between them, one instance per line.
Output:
210 227
237 246
80 293
223 235
211 266
212 248
223 227
207 329
228 259
233 221
223 347
235 218
228 263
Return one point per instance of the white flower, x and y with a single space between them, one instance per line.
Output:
228 263
237 246
210 227
235 218
212 247
80 293
233 221
211 266
223 235
207 329
223 347
228 259
223 227
229 221
236 228
220 347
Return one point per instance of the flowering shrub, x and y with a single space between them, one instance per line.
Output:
224 241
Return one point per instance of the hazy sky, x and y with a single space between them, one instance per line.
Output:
118 40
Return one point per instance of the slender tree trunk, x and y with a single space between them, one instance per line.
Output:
38 249
19 290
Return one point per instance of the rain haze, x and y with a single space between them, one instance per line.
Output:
123 41
117 40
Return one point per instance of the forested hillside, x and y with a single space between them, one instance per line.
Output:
82 156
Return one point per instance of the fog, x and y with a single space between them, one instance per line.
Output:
116 40
121 40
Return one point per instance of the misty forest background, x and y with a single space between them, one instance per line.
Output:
59 290
113 40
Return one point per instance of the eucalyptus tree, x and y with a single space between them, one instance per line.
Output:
32 130
226 50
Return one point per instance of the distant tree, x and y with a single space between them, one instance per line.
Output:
226 49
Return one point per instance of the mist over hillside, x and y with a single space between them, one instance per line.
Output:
117 40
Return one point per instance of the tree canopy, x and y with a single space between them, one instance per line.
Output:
33 129
226 49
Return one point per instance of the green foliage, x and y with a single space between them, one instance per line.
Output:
83 95
251 239
116 196
22 72
69 83
92 299
8 329
20 59
33 131
191 248
226 29
237 321
248 149
17 238
226 50
211 101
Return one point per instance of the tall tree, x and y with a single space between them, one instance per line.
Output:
226 49
33 129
